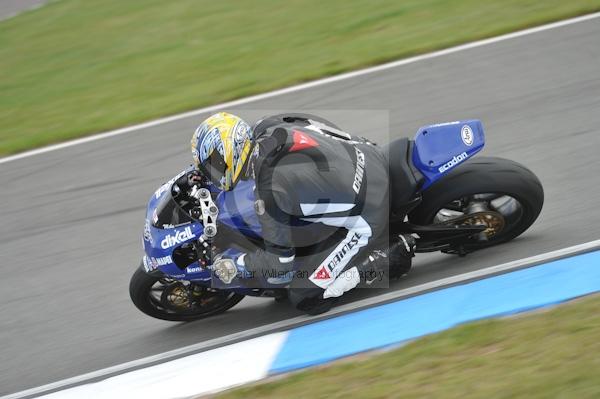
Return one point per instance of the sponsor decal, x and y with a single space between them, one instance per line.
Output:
179 237
467 135
151 263
453 162
167 185
302 141
194 269
327 272
147 233
360 170
358 235
341 254
322 274
146 263
155 217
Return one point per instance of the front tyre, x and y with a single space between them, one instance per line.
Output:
500 194
173 300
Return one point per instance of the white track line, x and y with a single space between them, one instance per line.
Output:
289 323
24 10
303 86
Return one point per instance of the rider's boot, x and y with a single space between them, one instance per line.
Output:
394 261
401 253
316 305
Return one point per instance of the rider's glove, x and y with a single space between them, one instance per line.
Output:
195 178
190 179
225 269
230 265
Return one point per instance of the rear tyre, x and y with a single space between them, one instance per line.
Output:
172 300
512 194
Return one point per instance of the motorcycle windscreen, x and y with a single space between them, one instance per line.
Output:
169 214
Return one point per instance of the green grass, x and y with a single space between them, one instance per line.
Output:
75 67
550 354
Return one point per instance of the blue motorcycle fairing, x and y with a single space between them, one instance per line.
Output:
441 147
159 250
236 209
159 243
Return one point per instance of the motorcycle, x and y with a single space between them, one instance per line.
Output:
449 201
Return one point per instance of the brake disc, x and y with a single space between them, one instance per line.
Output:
176 297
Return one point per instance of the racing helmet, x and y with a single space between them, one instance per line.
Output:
221 147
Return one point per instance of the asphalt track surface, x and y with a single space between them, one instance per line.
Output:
72 218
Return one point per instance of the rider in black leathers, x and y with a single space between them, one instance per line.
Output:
322 199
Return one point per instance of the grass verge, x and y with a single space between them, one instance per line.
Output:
73 67
548 354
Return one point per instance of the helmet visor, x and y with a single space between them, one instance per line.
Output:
214 168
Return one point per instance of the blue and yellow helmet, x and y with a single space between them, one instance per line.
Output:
221 148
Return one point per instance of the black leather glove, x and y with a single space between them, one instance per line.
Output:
194 178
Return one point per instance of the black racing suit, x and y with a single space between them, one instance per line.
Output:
322 202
